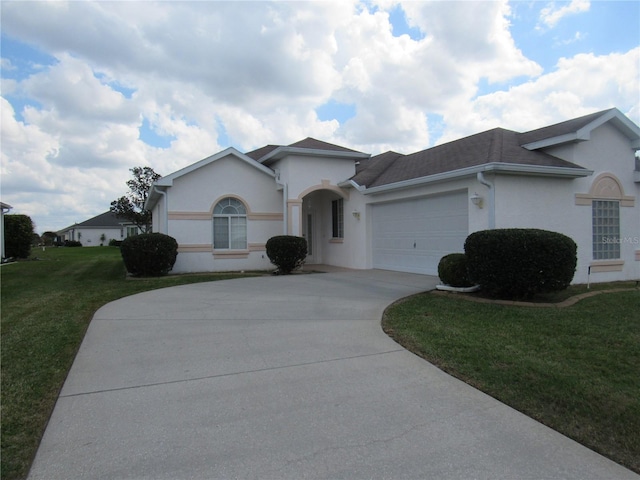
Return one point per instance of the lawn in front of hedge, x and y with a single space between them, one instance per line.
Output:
575 369
47 303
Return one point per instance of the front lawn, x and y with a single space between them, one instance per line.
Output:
47 304
575 369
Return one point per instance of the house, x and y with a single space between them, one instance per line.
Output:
99 230
405 212
4 208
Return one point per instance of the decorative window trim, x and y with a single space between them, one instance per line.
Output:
598 266
605 186
230 254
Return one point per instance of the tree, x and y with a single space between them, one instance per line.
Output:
131 205
48 238
18 232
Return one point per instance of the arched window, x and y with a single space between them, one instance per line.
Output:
230 225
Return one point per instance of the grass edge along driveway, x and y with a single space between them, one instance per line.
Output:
574 369
47 304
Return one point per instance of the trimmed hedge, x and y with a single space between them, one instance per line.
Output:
286 252
520 262
453 270
149 254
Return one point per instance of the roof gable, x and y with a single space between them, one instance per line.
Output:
168 180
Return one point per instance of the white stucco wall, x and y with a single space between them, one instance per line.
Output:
191 200
90 237
607 151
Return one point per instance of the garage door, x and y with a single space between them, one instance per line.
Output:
413 235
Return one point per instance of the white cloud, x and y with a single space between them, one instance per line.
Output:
256 72
552 14
579 85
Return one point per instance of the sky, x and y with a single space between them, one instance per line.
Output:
91 89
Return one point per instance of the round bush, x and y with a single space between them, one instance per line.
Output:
149 254
452 270
286 252
520 262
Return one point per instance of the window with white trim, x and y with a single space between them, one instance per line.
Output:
337 218
230 225
606 229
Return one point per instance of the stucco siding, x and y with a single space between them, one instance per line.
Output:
199 190
90 237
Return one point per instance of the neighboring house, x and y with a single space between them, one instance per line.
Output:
4 208
99 230
404 212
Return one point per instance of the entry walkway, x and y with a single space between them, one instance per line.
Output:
283 377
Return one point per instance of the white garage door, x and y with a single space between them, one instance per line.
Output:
413 235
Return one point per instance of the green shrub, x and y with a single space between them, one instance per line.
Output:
452 270
72 243
287 253
149 254
18 233
115 243
520 262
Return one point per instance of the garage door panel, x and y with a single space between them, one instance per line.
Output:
413 235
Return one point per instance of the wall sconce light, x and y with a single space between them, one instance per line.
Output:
476 200
356 214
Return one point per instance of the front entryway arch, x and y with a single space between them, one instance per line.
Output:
319 215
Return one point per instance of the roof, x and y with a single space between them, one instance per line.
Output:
104 220
308 143
494 150
497 146
579 129
309 147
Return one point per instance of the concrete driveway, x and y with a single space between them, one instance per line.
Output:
283 377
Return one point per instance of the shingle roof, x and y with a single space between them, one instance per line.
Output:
313 144
107 219
261 152
558 129
493 146
308 143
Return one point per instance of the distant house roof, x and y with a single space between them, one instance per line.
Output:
104 220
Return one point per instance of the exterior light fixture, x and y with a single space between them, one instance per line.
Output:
476 200
356 214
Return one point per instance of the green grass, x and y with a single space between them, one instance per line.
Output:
575 369
46 307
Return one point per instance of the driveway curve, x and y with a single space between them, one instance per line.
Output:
283 377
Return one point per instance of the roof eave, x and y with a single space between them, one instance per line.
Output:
497 167
559 140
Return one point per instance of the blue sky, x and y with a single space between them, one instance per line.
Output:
91 89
